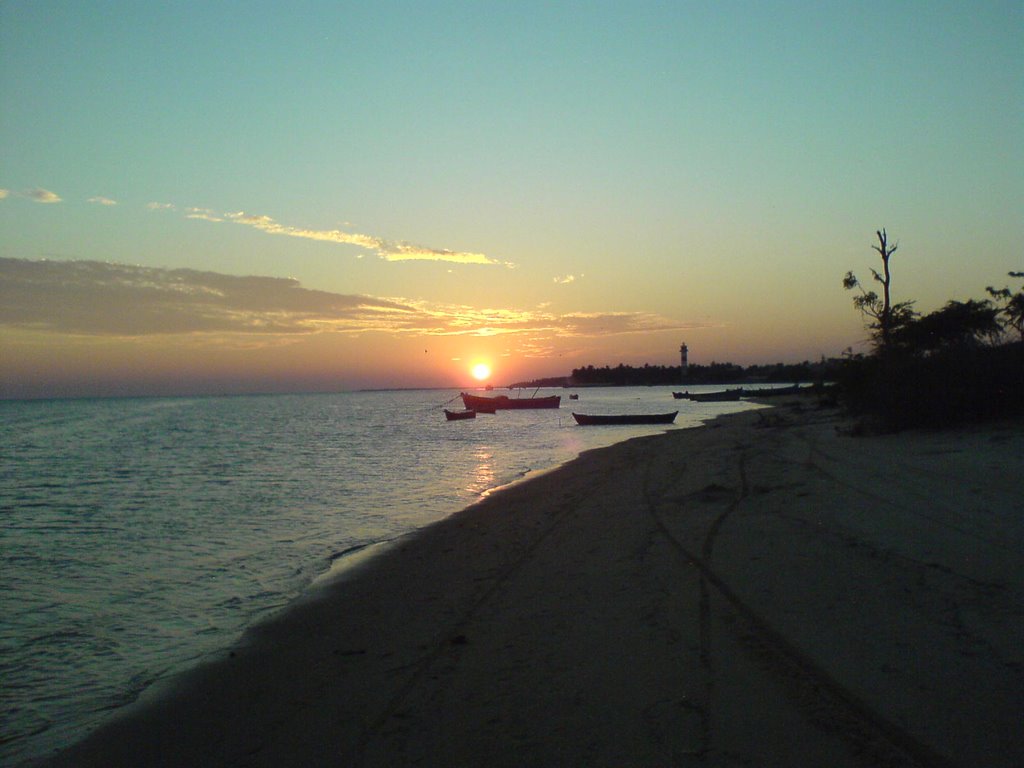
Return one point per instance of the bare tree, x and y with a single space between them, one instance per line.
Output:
884 316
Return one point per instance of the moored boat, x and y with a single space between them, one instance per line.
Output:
584 419
506 403
459 415
722 396
773 392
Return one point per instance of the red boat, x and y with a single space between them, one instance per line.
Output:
505 403
459 415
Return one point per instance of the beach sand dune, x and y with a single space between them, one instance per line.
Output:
763 591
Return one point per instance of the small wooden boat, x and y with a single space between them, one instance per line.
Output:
584 419
506 403
775 392
681 395
721 396
574 397
459 415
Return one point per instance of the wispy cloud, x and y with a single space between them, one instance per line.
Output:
204 214
386 249
42 196
102 299
461 320
389 250
102 201
567 279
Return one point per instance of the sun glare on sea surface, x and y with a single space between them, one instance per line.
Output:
481 371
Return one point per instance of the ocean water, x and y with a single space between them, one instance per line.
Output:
141 534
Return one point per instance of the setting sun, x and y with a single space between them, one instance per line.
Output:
481 371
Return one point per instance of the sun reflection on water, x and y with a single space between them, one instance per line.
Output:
482 478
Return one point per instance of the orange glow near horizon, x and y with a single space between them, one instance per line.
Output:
481 371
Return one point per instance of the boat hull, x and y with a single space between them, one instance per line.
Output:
777 392
459 415
725 396
505 403
584 419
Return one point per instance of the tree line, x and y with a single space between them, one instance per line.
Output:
961 362
716 373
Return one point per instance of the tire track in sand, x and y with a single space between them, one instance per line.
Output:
827 702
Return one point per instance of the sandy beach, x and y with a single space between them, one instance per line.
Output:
763 591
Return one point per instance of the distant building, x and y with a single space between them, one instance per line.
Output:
683 361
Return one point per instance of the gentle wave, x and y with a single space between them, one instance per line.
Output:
141 534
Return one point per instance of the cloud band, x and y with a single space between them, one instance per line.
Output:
103 299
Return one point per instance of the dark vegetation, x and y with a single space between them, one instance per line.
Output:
961 363
715 373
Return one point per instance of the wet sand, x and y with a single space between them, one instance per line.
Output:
763 591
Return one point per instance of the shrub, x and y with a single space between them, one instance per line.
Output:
953 386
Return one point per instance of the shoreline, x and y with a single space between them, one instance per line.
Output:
342 563
715 596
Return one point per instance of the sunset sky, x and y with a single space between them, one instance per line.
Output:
316 196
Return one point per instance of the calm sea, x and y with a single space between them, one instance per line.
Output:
140 535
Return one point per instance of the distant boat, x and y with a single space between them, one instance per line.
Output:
775 392
584 419
721 396
574 397
506 403
459 415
